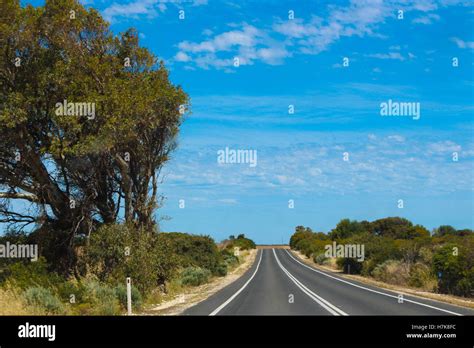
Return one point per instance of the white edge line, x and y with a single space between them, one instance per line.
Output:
218 309
321 301
363 287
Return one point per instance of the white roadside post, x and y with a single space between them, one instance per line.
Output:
129 296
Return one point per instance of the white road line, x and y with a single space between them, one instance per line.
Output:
321 301
371 290
218 309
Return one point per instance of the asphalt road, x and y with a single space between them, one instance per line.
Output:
280 284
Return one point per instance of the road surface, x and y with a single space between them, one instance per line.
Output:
280 284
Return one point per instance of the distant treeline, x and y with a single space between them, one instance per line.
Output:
398 252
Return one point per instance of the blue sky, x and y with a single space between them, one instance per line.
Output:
299 62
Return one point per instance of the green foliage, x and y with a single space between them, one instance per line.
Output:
346 228
398 252
195 276
320 258
392 272
241 242
222 269
397 228
193 251
116 252
301 233
454 265
308 242
100 299
44 299
121 293
229 258
349 265
137 112
422 276
25 274
447 230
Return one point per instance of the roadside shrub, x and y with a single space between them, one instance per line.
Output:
13 302
421 276
44 299
26 274
453 265
466 285
229 258
349 265
121 293
241 242
320 259
116 252
101 299
222 269
392 272
193 251
195 276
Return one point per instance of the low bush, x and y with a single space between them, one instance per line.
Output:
229 258
241 242
349 265
116 252
26 274
320 258
44 299
392 272
100 299
193 251
121 293
222 269
195 276
421 276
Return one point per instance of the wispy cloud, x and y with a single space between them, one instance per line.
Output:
142 8
286 37
463 44
247 44
389 55
426 19
383 163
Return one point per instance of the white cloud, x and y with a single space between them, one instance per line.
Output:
397 138
247 37
444 146
228 201
141 8
389 55
182 57
246 43
463 44
314 165
132 9
426 19
285 38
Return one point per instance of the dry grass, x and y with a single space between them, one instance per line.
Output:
12 303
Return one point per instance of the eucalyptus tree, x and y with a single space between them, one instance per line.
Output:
87 120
